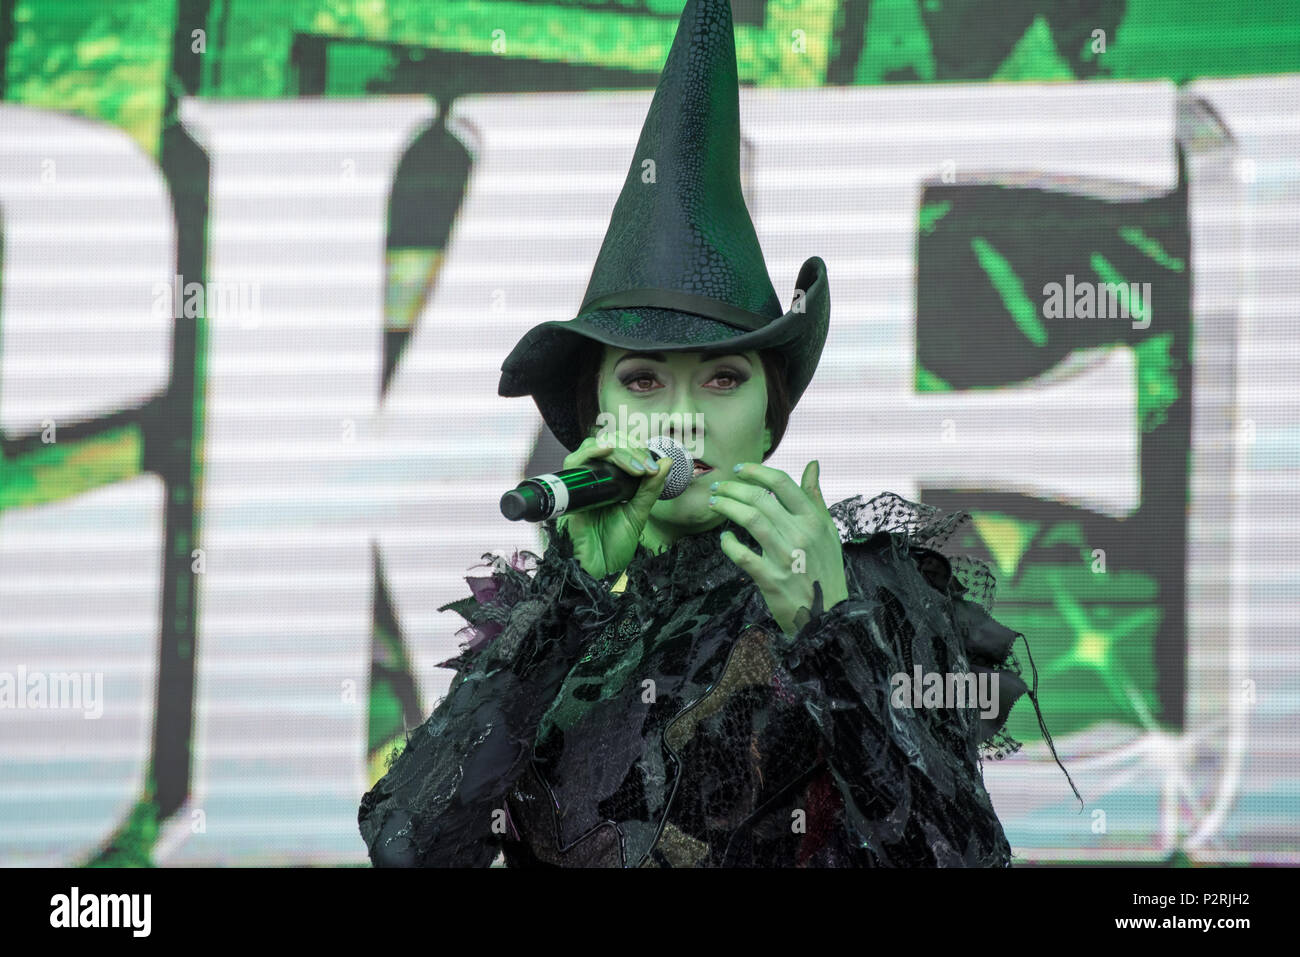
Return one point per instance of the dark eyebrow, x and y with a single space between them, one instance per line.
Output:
659 356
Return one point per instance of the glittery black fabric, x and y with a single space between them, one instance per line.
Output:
674 724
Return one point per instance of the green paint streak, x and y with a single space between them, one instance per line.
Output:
385 716
109 60
1093 639
895 39
1039 581
930 215
1007 537
1035 57
131 843
1150 247
64 470
351 66
1065 533
385 719
1183 39
1140 311
1008 285
1157 384
104 61
927 381
411 275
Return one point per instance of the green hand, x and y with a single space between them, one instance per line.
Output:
605 539
800 541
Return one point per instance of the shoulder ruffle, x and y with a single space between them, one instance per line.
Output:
924 529
496 597
436 805
896 529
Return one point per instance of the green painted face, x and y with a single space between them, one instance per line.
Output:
715 406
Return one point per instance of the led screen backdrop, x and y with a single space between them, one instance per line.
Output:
260 263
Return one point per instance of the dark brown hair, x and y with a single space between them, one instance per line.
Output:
588 357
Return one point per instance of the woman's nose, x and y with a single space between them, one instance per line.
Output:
684 421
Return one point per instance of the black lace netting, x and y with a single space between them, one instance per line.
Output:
674 724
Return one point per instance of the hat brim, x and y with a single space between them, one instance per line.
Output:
541 364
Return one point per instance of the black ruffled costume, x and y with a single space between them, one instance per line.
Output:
674 724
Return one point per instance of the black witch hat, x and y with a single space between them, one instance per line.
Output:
681 268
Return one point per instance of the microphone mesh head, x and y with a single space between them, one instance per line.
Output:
679 479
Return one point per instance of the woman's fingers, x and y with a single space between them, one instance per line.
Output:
640 458
758 499
633 459
761 568
588 450
630 458
811 483
749 562
782 534
630 462
766 525
794 498
648 493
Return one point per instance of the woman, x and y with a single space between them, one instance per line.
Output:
711 711
713 679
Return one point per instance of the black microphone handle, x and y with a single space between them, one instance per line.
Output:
590 485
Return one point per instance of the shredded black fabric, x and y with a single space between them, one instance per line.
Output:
675 725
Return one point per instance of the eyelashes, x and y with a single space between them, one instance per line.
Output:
724 372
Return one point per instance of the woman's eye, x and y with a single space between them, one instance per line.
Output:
730 379
647 381
638 382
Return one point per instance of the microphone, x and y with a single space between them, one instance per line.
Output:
593 484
